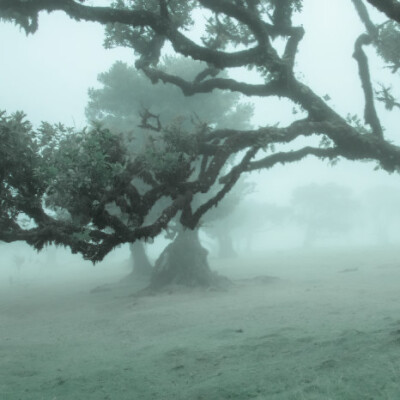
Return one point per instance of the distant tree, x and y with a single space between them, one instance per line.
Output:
324 209
382 211
250 220
122 103
126 94
221 222
88 174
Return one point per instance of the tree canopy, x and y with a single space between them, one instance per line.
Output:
125 93
187 162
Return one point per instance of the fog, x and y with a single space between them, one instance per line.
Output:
311 310
313 217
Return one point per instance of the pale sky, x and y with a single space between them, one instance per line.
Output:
47 74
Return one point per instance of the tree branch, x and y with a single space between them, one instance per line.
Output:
292 45
244 16
366 20
191 220
273 88
138 18
390 7
370 114
292 156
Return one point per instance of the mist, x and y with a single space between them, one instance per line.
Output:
305 254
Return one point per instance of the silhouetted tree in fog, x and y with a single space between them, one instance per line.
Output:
324 210
221 222
125 97
382 212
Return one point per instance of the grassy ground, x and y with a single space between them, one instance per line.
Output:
326 326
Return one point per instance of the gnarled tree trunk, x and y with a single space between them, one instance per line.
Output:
183 262
141 266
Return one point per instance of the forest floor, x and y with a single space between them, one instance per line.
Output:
321 325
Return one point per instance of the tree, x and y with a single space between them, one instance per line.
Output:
390 7
381 206
180 167
220 222
323 209
126 94
125 97
257 221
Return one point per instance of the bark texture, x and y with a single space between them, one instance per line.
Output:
183 262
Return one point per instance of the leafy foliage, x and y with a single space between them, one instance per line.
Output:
389 44
27 22
80 167
141 39
19 163
170 155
